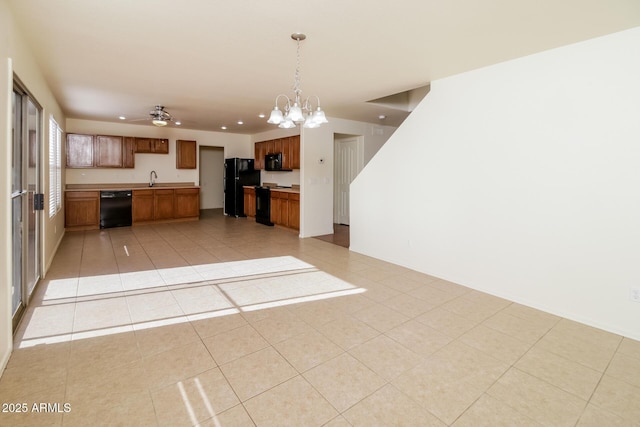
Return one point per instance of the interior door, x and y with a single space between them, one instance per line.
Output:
348 164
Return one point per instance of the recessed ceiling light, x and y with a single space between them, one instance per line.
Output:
240 122
382 117
122 117
223 127
178 123
262 116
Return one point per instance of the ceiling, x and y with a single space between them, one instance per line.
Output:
213 63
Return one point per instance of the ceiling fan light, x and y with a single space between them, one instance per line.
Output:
158 122
276 117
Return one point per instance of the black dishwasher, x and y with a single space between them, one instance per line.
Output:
115 209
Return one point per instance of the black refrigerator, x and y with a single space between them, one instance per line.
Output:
238 173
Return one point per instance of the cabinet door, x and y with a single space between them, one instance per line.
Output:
142 206
294 142
294 210
186 154
284 209
259 155
144 145
128 155
161 146
163 204
249 202
79 151
270 147
275 208
108 151
82 208
187 202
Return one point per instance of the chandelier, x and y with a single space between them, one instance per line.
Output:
295 111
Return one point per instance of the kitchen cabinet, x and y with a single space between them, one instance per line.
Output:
280 208
142 206
79 150
285 209
187 202
99 151
294 210
250 202
163 204
186 154
294 146
260 152
289 147
108 151
128 152
152 145
82 209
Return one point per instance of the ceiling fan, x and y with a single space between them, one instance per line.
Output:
159 116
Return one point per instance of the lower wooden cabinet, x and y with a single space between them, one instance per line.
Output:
142 206
294 210
285 209
82 209
250 202
161 204
187 202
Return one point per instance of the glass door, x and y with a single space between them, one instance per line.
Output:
17 201
25 199
33 191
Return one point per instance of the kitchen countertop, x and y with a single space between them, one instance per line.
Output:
128 186
293 189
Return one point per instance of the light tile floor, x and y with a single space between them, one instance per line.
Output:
225 322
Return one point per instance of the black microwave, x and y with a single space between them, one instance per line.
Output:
273 162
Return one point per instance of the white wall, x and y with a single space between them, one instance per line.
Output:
522 180
316 180
235 145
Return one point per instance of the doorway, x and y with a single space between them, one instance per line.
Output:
211 179
348 162
26 198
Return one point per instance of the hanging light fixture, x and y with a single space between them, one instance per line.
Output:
295 111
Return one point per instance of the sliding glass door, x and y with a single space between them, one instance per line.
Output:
25 198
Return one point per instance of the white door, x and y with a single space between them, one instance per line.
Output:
348 164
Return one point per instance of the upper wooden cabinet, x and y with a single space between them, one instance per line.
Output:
98 151
152 145
186 154
79 151
108 152
128 152
289 147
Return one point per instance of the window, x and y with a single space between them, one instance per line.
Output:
55 167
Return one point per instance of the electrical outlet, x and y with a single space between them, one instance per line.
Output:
634 294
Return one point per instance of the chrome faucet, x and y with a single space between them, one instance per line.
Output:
151 178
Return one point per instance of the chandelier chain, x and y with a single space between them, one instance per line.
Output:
296 77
